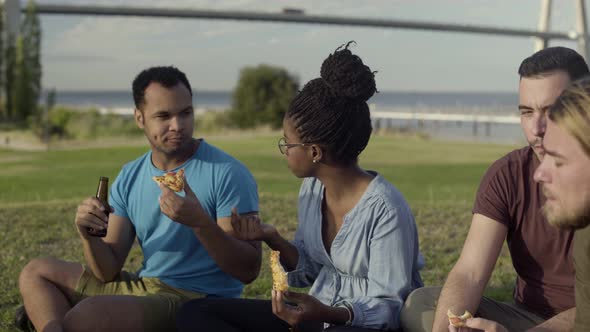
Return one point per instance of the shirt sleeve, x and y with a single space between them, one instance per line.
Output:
393 256
582 264
118 195
307 268
494 194
237 188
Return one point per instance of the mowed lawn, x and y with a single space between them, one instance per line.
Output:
39 192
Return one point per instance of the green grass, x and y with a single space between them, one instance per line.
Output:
39 192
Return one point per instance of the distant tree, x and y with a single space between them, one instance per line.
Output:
262 96
9 77
43 119
31 33
2 55
51 98
22 75
22 95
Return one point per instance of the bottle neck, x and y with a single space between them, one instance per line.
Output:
102 193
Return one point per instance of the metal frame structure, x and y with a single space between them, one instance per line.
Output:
542 35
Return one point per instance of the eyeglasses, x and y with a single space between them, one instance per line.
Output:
283 145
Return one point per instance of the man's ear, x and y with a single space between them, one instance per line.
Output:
138 118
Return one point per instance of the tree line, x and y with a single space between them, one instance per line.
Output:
261 97
20 68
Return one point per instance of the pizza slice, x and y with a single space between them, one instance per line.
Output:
458 321
172 180
279 276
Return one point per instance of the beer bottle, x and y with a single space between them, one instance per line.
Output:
102 193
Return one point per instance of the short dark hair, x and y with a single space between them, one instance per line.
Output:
332 110
167 76
552 59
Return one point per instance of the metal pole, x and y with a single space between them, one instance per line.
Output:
544 22
581 28
292 18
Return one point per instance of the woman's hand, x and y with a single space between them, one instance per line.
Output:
305 308
250 228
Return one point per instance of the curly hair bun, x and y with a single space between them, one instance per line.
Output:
347 76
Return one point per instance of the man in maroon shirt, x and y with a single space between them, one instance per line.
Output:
508 206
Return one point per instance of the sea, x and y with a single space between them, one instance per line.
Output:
474 103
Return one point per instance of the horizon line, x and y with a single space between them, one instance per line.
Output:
195 91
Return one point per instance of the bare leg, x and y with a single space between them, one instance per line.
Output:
106 313
46 284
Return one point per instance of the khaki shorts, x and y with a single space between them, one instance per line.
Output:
160 302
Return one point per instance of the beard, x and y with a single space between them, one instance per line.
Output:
171 150
570 221
536 141
534 145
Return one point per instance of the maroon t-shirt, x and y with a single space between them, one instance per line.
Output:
541 254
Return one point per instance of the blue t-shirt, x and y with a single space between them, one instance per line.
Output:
171 250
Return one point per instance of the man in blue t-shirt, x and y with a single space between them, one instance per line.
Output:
186 238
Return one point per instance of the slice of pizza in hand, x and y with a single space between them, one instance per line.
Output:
172 180
458 321
279 276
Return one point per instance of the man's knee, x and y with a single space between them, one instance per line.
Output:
63 274
423 297
418 311
34 269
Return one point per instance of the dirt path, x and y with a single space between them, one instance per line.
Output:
20 141
23 141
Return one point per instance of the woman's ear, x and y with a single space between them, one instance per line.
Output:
316 153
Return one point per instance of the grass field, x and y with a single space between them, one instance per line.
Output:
39 192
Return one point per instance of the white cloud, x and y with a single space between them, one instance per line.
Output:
213 51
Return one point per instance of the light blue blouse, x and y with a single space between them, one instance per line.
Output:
374 262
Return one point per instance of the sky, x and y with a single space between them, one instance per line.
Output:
105 53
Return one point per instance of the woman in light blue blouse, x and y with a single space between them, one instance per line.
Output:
356 244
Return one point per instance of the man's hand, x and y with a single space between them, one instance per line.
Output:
479 324
307 307
91 213
186 210
250 228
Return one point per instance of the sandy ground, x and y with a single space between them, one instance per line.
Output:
17 140
25 141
